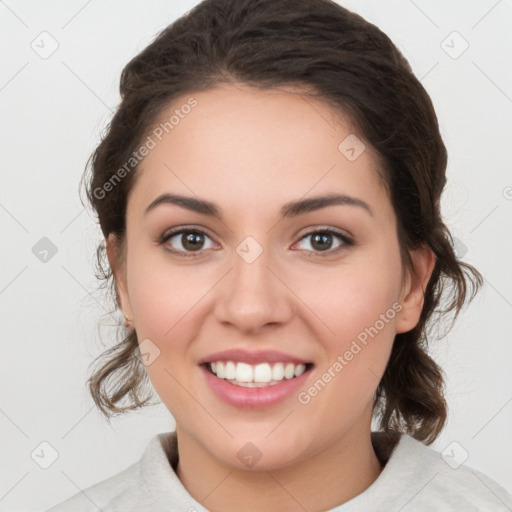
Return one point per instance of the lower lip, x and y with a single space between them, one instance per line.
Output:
254 398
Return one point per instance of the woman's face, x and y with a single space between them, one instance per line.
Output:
259 280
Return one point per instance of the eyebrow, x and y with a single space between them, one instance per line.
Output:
291 209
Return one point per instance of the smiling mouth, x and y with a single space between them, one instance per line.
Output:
256 376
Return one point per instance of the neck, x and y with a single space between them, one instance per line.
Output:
337 474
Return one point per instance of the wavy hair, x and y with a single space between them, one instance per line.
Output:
333 55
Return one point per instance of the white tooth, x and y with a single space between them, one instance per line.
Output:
288 371
230 370
300 369
262 373
278 371
244 372
221 371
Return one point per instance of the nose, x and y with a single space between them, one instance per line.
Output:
254 294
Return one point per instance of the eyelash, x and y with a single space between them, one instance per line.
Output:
347 242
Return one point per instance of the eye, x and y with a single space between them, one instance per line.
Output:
187 240
321 241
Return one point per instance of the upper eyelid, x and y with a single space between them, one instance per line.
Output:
178 230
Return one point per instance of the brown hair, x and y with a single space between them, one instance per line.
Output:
338 57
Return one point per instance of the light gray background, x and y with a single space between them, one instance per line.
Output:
52 113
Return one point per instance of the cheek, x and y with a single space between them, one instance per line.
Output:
353 298
362 317
166 299
357 306
164 295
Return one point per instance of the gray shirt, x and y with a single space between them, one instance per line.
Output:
415 478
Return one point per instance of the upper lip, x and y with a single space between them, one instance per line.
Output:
253 357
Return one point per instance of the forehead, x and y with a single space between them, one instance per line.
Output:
245 146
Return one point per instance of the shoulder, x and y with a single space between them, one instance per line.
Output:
417 477
150 483
133 489
100 495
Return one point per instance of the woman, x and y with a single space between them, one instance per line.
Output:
269 192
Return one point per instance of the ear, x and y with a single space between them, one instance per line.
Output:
413 290
118 266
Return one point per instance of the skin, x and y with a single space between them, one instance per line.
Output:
250 152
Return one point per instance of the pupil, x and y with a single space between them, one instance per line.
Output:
323 238
191 241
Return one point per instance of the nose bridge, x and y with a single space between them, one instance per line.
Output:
252 295
252 278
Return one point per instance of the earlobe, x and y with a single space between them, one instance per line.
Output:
118 272
413 293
